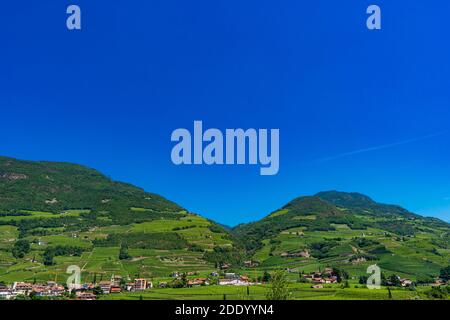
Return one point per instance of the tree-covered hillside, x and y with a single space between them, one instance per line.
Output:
363 204
53 215
52 187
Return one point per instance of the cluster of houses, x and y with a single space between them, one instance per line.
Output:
300 254
82 291
231 279
327 276
116 285
403 282
50 289
251 264
319 278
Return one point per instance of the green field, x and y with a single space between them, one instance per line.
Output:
104 261
297 292
54 215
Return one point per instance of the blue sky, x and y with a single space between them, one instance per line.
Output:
357 110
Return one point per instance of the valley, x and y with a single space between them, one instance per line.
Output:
56 215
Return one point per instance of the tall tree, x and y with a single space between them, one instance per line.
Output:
445 274
279 287
123 253
20 248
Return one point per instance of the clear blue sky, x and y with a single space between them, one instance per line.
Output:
357 110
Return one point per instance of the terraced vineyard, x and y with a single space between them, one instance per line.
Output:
297 292
104 259
313 232
55 205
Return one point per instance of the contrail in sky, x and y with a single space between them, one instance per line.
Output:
384 146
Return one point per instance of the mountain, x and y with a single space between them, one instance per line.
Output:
53 215
363 204
53 186
349 231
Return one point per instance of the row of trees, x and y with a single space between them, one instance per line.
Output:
51 252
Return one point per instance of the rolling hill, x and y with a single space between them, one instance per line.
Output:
53 215
350 231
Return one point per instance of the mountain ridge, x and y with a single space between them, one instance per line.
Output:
360 201
74 214
349 231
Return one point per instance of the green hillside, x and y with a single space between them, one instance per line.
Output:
53 215
349 231
363 204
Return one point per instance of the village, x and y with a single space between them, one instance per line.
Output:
89 291
117 284
319 278
331 276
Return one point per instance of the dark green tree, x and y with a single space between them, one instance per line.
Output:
123 253
184 280
48 258
340 274
444 274
266 276
363 279
20 248
394 280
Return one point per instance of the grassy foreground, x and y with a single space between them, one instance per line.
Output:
298 292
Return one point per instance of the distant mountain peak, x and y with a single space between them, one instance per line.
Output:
359 201
310 204
346 198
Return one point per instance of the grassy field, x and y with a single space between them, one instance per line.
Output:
42 215
297 292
